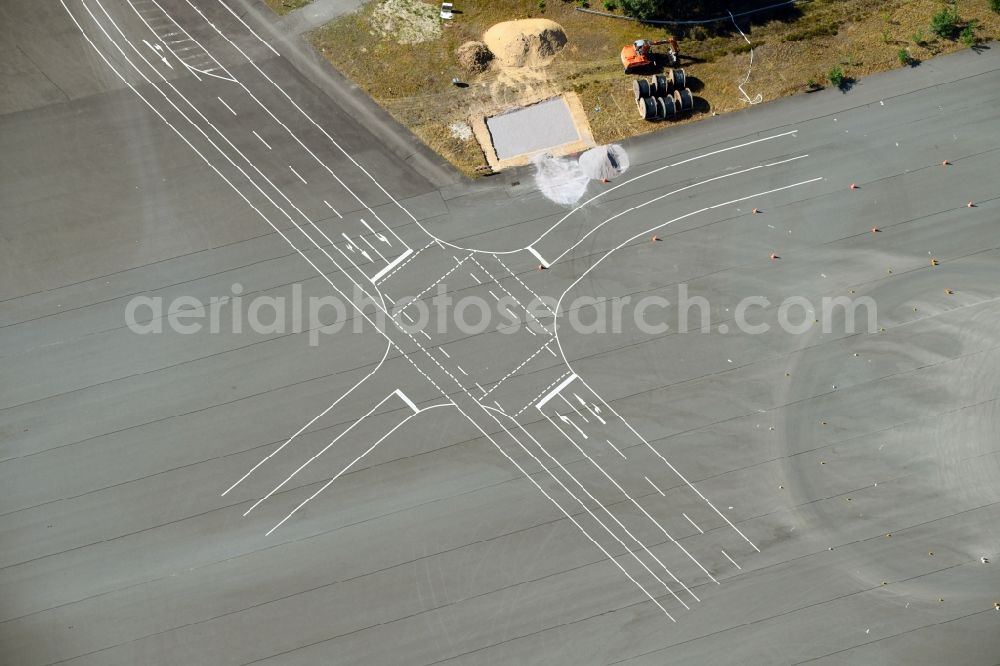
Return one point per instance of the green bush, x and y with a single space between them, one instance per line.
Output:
611 5
643 9
968 35
994 5
904 57
945 23
836 76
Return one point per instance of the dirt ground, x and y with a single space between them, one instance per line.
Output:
413 80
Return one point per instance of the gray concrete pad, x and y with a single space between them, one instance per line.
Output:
533 128
119 547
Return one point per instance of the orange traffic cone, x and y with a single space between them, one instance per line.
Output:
971 205
541 267
945 163
854 186
934 262
655 239
876 230
755 211
774 256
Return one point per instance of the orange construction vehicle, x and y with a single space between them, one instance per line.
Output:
638 55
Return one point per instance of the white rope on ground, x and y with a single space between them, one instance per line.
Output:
759 97
698 22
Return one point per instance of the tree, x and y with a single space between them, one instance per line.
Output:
644 9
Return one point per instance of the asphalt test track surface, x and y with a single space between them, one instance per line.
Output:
117 548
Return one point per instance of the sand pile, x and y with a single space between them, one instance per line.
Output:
474 57
525 43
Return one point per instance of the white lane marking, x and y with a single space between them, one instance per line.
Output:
692 522
475 278
311 421
317 455
617 450
445 352
377 235
408 318
235 189
266 144
514 298
394 263
658 198
461 370
567 420
438 281
304 181
655 171
404 398
655 486
590 409
559 506
566 382
291 101
538 299
424 333
639 506
731 559
335 211
668 464
368 243
514 371
760 194
158 51
491 292
538 256
790 159
605 402
573 407
226 105
344 470
531 402
550 351
364 315
308 261
240 19
412 257
479 386
204 134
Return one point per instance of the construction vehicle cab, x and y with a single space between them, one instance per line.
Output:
639 56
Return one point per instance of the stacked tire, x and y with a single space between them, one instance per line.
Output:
663 96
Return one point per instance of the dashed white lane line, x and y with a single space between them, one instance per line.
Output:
267 144
731 559
297 175
617 450
226 105
654 486
694 524
330 206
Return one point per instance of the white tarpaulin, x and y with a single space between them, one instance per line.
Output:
604 162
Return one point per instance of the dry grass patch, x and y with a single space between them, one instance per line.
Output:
282 7
413 81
